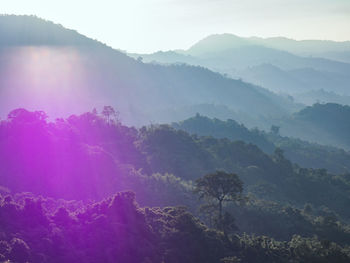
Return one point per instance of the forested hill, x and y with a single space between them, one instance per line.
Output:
117 229
84 182
81 74
322 123
92 156
304 153
89 153
230 129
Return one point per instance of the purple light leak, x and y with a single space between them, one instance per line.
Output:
76 157
48 78
80 157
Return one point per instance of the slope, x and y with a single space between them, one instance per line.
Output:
60 71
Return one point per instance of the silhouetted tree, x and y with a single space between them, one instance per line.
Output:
220 187
110 114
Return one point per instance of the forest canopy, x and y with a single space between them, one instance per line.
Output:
289 213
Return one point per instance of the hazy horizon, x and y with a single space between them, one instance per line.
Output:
146 27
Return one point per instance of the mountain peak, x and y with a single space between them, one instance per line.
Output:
217 42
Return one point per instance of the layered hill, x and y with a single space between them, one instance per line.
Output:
45 66
279 64
305 154
326 123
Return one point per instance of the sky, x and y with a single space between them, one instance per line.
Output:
146 26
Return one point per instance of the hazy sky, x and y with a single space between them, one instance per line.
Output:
151 25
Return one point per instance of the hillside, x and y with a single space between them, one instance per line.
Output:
230 150
305 154
31 31
55 69
278 64
323 123
91 157
298 81
101 157
322 96
51 230
223 42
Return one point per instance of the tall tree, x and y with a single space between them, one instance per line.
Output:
220 187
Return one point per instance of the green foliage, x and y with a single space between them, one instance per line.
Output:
176 152
303 153
304 250
270 177
159 163
229 129
220 187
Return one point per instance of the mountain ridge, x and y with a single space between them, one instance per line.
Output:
289 72
84 76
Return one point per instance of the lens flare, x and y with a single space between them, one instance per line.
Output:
49 78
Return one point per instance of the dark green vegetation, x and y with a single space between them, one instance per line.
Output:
285 206
217 189
271 177
304 153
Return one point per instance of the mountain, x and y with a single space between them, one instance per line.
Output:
343 56
297 81
323 123
274 78
321 96
303 153
318 48
91 156
278 64
229 47
90 187
55 69
217 43
216 52
30 30
231 129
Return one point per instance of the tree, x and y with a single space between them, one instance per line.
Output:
220 187
25 116
275 130
110 114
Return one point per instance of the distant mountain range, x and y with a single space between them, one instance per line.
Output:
279 64
45 66
317 48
